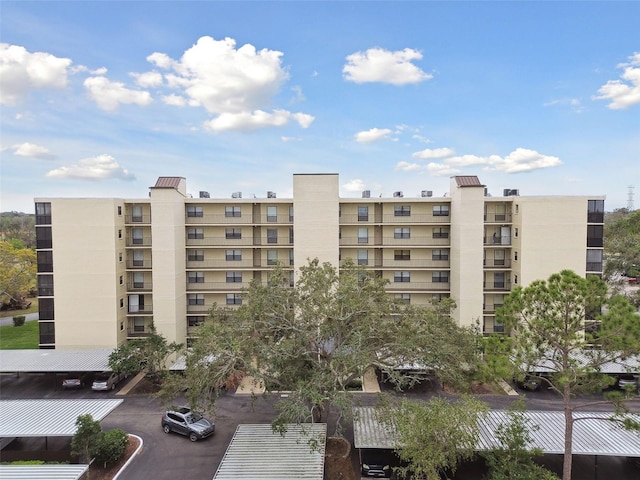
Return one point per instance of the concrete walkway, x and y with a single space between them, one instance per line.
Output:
9 320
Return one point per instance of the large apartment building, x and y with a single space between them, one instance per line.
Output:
109 268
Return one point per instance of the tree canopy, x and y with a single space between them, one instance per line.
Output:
17 273
315 338
622 244
568 327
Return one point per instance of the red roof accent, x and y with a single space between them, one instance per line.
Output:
168 182
468 181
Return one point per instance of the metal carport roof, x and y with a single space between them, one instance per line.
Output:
49 418
593 435
54 360
42 472
257 453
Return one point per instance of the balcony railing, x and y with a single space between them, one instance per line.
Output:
491 308
138 241
219 219
406 286
390 219
134 333
497 240
139 286
137 219
500 286
497 218
213 286
392 241
243 241
140 309
497 263
136 264
233 264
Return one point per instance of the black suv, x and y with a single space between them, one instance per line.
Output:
184 421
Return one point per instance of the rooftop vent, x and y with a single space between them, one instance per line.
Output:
510 192
271 194
236 195
398 194
427 193
204 194
366 194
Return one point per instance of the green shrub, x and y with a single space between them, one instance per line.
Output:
18 320
111 446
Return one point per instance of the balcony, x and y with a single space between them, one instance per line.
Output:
390 219
230 242
137 219
138 264
491 308
497 286
147 308
137 332
219 219
198 308
497 263
498 218
393 241
497 240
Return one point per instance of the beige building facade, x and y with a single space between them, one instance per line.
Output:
110 268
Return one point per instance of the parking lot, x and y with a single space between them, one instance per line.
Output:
174 456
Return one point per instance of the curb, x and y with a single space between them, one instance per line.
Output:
133 455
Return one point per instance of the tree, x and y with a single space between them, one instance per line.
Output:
149 353
19 226
622 244
513 459
433 437
110 446
315 338
549 322
17 274
86 438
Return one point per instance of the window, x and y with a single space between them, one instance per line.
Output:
441 210
195 277
290 257
234 277
291 213
517 208
47 332
272 235
43 237
43 213
138 324
402 211
401 277
440 232
138 280
363 235
594 260
595 211
230 211
516 232
272 214
291 236
402 232
195 299
196 321
234 299
121 326
45 285
363 257
498 280
595 235
45 309
119 256
119 233
363 214
136 213
119 210
138 258
122 303
440 277
440 255
515 255
501 214
233 255
403 297
195 255
195 233
121 280
515 279
137 236
233 233
194 211
498 258
272 257
45 261
402 254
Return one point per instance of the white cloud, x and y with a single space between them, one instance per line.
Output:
102 167
224 79
523 160
439 169
421 138
248 121
409 167
430 153
298 96
290 139
626 92
372 135
379 65
22 71
109 95
174 100
148 79
355 185
31 150
574 103
469 160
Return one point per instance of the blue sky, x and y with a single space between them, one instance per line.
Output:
101 98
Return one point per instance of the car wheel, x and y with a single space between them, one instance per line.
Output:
193 437
166 428
113 386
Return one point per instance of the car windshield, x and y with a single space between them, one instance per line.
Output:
193 417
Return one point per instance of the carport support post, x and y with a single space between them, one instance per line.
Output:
595 470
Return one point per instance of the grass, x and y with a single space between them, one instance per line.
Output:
24 337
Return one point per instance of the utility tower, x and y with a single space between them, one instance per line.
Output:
630 199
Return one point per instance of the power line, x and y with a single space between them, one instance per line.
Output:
630 199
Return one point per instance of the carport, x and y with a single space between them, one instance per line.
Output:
594 435
19 361
42 472
256 452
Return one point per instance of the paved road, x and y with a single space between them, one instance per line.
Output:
9 320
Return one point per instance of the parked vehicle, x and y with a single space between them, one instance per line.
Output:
529 382
77 379
107 381
628 382
378 462
186 422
